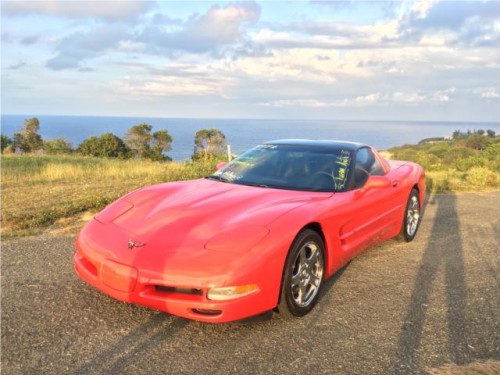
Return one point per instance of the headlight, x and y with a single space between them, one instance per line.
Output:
231 292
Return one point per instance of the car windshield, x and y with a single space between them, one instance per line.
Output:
291 167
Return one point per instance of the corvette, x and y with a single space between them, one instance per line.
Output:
263 232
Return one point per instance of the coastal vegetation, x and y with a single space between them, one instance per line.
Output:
467 161
139 143
53 186
47 182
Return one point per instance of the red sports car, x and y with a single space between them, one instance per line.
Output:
263 232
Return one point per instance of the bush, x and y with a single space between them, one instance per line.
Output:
470 162
477 142
6 142
57 146
480 177
107 145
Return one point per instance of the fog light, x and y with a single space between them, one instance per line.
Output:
231 292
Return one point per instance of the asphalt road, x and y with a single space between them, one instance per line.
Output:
397 309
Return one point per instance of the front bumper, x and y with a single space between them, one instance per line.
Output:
163 292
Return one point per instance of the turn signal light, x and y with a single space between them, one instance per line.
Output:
231 292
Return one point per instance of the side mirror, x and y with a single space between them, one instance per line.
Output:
220 165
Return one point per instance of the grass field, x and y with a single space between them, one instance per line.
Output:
39 191
42 191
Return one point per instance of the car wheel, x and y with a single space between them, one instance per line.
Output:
411 219
302 275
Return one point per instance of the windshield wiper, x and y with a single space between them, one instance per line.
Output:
219 178
255 184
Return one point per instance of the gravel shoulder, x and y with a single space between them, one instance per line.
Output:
397 309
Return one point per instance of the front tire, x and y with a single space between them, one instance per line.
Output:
411 220
302 275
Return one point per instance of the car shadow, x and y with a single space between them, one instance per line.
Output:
135 344
444 253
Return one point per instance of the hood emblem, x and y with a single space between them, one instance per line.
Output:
132 244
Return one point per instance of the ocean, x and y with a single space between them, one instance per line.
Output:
243 134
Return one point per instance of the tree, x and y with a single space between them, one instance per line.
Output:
161 143
113 147
209 144
457 134
490 133
28 139
57 146
138 138
6 142
146 145
106 145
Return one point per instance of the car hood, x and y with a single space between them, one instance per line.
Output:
174 215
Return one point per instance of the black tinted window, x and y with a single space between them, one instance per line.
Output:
366 165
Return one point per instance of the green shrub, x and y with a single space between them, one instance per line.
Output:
463 165
480 177
57 146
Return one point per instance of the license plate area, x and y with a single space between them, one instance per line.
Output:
118 276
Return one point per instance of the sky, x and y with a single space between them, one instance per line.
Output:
421 60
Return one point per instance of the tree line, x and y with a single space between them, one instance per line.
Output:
139 142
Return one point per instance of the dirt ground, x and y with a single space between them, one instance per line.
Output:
397 309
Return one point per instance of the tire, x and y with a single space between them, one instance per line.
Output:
411 219
302 275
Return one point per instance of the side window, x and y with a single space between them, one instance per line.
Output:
366 165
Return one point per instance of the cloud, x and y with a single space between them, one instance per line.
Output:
307 103
219 27
473 23
452 15
106 10
29 40
488 92
79 46
18 65
7 37
333 35
399 98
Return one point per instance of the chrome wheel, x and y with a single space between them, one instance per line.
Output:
412 215
307 274
302 275
411 220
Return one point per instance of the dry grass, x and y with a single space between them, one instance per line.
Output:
38 191
475 368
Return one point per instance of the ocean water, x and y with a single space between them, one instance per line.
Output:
243 134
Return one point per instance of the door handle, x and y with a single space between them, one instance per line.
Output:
394 183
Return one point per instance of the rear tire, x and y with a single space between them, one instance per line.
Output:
302 275
411 219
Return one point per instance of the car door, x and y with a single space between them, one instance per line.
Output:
372 215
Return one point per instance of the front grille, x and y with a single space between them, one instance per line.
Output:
173 289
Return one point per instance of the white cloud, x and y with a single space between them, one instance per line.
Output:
373 99
488 92
307 103
219 27
107 10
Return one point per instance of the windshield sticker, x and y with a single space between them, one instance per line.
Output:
342 161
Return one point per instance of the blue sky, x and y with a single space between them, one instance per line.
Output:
344 60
